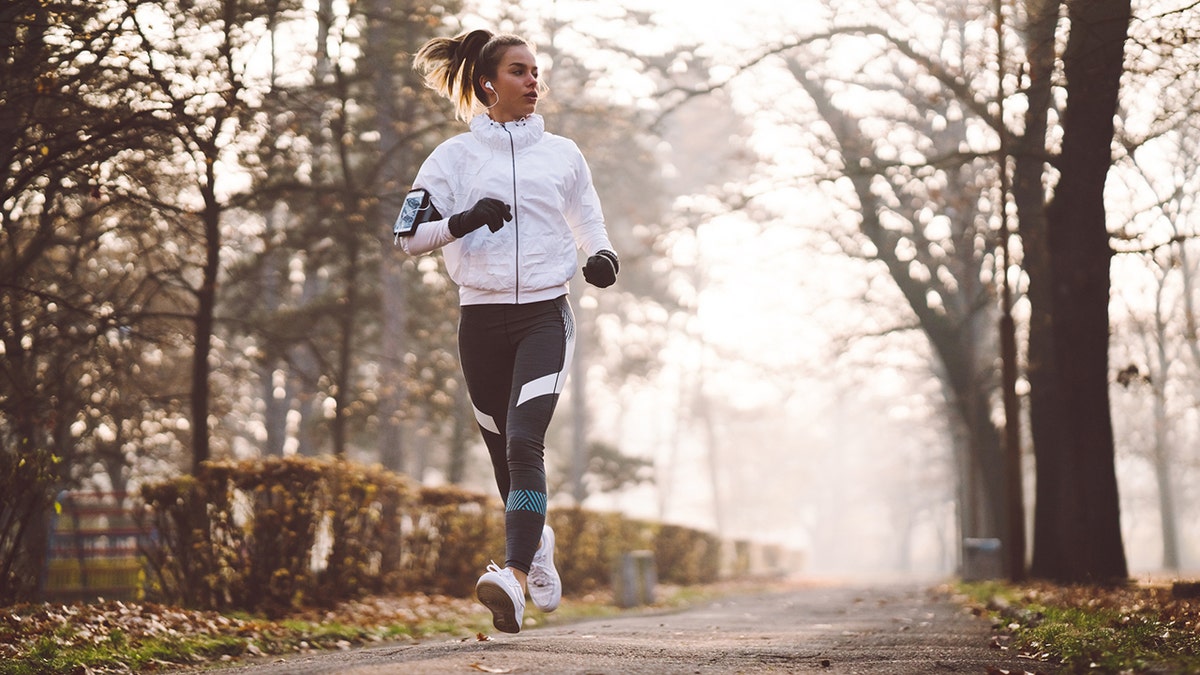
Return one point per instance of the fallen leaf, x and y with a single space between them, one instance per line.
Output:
489 669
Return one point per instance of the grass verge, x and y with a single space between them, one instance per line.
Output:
1141 627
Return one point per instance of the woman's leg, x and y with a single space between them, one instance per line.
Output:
515 360
545 343
486 355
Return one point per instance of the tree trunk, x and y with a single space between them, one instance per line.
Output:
1077 536
343 394
387 36
206 301
275 407
1162 442
460 435
304 373
1188 273
1163 470
1014 540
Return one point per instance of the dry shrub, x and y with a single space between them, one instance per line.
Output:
278 534
29 477
686 556
366 510
590 543
455 533
195 545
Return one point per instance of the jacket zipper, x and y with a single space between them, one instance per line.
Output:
516 220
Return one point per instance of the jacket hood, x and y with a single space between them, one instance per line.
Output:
521 133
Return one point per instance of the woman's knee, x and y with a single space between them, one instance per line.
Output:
526 449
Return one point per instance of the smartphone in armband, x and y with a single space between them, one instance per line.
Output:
417 209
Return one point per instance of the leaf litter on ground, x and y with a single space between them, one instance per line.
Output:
1158 621
94 637
1145 625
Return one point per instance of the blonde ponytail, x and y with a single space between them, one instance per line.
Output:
451 66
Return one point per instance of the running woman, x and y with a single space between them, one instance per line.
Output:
518 201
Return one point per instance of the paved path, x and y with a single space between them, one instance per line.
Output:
895 629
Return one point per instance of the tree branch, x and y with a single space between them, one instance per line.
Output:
957 85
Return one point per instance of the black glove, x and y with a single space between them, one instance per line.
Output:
601 269
487 211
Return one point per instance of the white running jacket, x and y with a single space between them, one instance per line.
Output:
543 178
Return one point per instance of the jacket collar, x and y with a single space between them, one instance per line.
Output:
524 132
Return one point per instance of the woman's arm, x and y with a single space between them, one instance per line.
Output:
434 178
584 214
428 237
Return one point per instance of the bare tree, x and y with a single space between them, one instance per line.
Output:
1064 241
202 96
86 296
1077 535
940 275
1159 334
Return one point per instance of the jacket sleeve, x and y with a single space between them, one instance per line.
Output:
435 177
584 214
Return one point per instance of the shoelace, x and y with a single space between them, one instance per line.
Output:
508 578
538 577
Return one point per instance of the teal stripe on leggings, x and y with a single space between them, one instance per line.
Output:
526 500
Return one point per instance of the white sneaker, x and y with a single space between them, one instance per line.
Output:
545 586
500 592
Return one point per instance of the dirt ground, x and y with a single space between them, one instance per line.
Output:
892 628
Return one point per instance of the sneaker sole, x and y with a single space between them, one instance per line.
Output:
495 598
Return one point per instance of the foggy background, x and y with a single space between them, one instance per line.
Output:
755 371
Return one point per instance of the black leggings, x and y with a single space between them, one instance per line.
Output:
515 360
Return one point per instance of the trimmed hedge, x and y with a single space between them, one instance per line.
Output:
277 534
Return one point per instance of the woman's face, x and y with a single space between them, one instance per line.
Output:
515 87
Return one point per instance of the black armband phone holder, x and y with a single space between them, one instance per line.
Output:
417 209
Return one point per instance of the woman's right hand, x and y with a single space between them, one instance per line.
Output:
487 211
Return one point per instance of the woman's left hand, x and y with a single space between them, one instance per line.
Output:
601 269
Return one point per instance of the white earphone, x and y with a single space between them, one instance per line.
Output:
489 87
